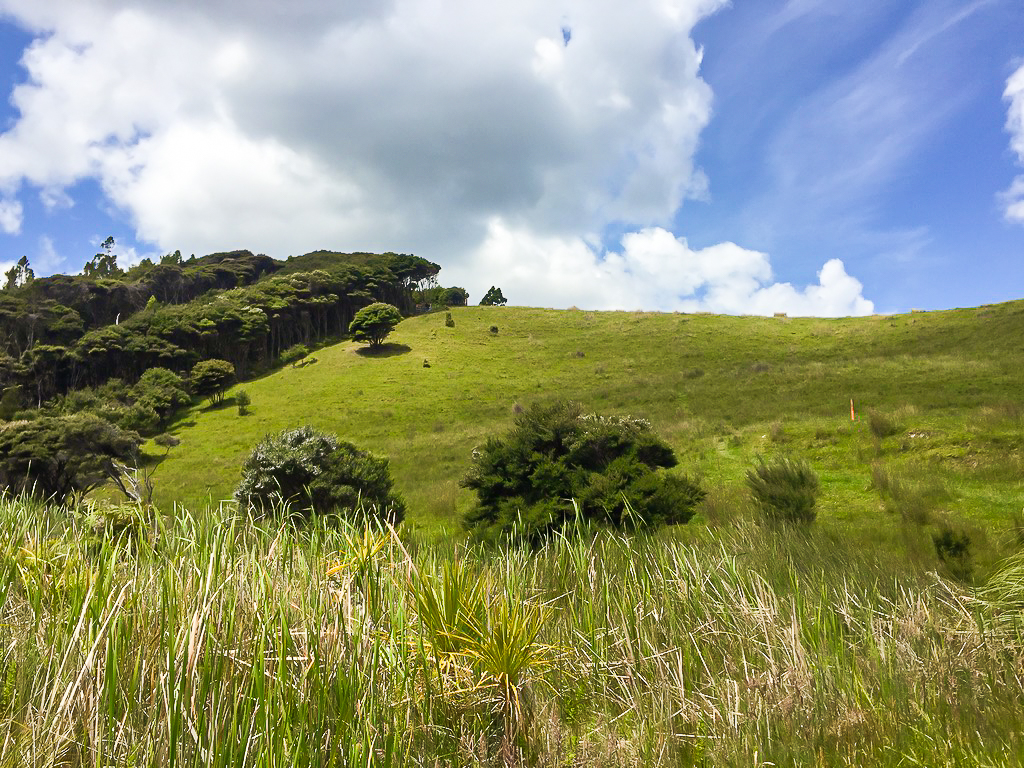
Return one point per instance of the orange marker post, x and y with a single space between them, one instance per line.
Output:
853 416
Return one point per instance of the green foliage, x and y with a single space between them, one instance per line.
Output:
243 401
786 490
294 353
439 297
162 390
449 321
20 275
374 323
309 471
58 457
493 297
167 441
103 264
557 463
212 378
953 547
10 402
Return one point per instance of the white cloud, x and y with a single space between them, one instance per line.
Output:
414 125
1013 198
653 270
10 216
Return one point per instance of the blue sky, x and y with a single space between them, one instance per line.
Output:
820 157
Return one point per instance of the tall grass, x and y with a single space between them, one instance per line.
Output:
206 639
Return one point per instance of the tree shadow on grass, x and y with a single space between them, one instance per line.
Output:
384 350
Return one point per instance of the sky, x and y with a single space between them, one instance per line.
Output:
814 157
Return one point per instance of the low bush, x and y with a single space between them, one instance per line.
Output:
785 490
294 353
558 463
953 547
303 470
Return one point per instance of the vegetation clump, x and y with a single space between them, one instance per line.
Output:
304 470
212 378
374 323
558 463
786 490
57 457
243 401
493 298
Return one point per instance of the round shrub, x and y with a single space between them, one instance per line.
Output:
786 490
374 323
558 462
313 472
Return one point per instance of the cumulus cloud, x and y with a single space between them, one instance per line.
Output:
1013 198
654 269
409 125
10 216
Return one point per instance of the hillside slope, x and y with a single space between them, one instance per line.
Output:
720 389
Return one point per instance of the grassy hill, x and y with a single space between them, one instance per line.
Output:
205 638
721 389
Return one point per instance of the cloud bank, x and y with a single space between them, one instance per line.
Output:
500 140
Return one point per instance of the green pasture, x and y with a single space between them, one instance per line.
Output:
721 390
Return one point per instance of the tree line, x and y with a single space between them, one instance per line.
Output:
66 332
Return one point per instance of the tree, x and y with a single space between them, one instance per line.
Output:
61 456
374 322
212 378
558 461
19 275
103 264
162 390
313 472
493 297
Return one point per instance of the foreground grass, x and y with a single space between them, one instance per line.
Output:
721 389
208 639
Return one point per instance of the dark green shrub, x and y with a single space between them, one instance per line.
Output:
212 378
557 463
243 401
162 390
786 490
374 323
448 320
493 297
494 330
312 472
953 548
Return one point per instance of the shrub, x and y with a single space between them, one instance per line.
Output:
494 330
449 322
557 463
162 390
312 472
786 490
243 401
953 548
211 378
294 353
374 323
